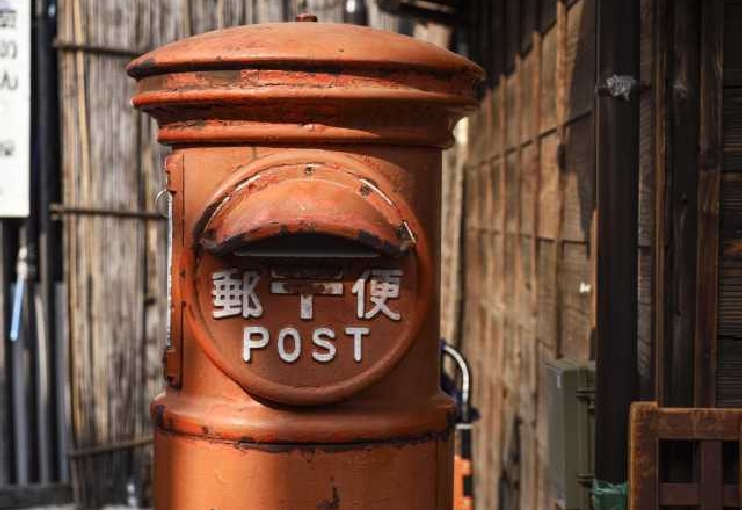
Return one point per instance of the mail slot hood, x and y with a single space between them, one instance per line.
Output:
322 215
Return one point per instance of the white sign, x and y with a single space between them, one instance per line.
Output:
15 106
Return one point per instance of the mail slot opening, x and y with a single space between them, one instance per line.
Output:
307 246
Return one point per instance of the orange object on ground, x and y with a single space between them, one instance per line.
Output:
303 353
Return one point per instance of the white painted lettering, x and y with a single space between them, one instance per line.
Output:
289 357
357 333
321 338
249 344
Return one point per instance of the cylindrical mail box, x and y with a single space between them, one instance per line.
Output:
303 352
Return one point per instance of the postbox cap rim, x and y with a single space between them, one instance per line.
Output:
301 46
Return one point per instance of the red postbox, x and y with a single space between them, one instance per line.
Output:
303 357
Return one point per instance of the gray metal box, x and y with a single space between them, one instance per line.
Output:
570 392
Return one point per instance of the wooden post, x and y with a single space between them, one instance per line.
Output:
709 173
617 140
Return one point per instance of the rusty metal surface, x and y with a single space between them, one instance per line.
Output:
303 362
302 45
321 477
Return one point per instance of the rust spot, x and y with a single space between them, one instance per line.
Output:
333 504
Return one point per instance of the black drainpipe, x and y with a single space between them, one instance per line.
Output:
617 161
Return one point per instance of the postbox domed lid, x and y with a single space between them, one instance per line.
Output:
301 45
305 83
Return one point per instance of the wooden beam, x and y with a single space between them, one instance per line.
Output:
617 155
709 171
678 217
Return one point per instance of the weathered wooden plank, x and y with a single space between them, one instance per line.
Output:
548 214
730 257
645 351
561 116
546 498
576 296
512 114
525 90
661 230
496 181
580 58
512 190
547 15
528 13
643 456
732 135
728 384
710 162
547 296
646 172
732 59
512 41
528 189
678 248
549 80
578 181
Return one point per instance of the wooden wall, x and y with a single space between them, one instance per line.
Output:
528 275
529 207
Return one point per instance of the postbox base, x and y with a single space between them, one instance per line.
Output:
204 474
